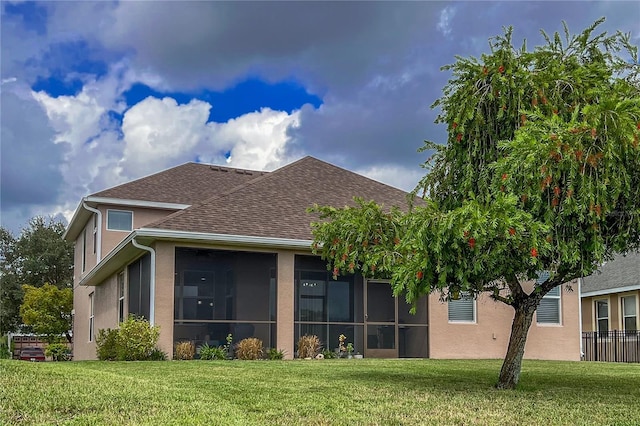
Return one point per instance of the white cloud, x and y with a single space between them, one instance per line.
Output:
400 177
444 23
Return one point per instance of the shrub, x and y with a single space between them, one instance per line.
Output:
157 355
249 348
4 351
212 352
308 346
185 351
329 354
136 339
58 352
275 354
107 344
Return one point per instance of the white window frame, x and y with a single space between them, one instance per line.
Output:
120 211
623 313
84 250
558 298
95 232
598 318
91 316
121 283
463 297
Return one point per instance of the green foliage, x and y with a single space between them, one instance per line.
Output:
136 339
541 172
47 310
309 346
58 352
5 352
107 344
157 355
38 256
212 352
249 349
329 354
185 351
274 354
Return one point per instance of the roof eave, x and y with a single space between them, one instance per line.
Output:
603 292
125 251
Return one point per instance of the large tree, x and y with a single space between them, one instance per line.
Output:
47 311
540 172
37 256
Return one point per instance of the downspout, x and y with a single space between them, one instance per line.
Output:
580 316
152 279
99 236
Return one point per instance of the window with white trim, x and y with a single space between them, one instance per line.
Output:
84 249
629 313
119 220
91 318
548 311
463 309
121 296
602 315
95 232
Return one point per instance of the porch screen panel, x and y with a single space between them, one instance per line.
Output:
139 274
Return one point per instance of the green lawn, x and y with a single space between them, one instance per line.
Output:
368 392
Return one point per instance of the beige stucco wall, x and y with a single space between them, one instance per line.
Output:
165 266
285 304
141 217
488 337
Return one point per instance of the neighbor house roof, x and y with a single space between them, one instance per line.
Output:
620 274
185 184
275 205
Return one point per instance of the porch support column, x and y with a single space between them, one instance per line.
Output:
285 304
165 265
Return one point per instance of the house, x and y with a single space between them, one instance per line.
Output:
203 251
610 302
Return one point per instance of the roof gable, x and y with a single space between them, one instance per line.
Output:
188 183
275 205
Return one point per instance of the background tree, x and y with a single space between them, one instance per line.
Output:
541 172
47 310
38 256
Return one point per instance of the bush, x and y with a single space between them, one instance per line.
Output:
157 355
136 339
212 352
185 351
309 346
4 351
249 348
58 352
107 344
275 354
329 354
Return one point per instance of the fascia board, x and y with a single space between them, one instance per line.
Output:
610 290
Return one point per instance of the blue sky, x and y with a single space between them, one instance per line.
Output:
98 93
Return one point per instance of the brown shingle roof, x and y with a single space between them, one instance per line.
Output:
188 183
274 205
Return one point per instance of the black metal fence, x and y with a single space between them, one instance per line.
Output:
611 346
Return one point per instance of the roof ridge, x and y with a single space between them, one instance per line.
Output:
236 188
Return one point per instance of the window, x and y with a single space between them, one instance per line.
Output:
95 232
549 309
602 315
84 250
91 317
121 296
119 220
629 314
463 309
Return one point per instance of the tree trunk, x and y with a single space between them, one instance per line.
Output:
510 372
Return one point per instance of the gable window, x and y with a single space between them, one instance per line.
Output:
91 318
119 220
629 313
121 296
463 309
549 309
602 315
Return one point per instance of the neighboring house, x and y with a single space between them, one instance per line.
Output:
203 251
610 297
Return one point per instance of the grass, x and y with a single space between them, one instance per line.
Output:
366 392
